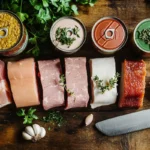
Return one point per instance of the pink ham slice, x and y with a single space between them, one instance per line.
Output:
76 81
5 94
22 77
53 92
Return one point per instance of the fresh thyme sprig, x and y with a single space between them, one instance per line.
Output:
64 35
62 83
108 85
145 35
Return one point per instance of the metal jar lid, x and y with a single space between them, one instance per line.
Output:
109 34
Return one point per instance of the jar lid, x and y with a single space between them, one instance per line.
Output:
10 30
109 33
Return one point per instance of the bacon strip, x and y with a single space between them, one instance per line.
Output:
132 84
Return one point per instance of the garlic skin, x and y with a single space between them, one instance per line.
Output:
36 128
88 119
26 136
29 130
34 133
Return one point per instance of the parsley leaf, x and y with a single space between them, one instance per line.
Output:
27 117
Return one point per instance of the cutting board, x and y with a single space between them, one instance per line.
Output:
73 135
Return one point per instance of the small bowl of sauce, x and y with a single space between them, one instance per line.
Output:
68 35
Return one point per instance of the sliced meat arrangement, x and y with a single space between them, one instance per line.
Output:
132 84
5 94
22 77
53 92
103 69
76 82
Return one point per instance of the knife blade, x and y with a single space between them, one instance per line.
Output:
125 124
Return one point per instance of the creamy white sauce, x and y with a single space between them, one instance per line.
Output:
68 23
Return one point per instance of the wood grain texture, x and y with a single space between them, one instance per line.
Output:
73 135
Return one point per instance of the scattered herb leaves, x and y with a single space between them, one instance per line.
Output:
29 116
145 35
66 36
54 117
62 83
108 85
38 15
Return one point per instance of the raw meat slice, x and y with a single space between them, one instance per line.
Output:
53 92
22 77
76 81
105 69
5 94
132 84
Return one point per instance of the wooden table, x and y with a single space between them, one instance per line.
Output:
73 135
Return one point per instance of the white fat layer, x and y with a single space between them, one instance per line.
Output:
105 69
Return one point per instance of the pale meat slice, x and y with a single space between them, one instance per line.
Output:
76 81
132 84
53 92
5 94
22 77
105 69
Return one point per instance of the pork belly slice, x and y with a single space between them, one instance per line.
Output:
132 84
77 82
53 92
22 77
105 69
5 94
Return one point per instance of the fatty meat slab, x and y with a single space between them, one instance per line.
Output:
104 69
5 94
53 92
22 77
76 82
132 84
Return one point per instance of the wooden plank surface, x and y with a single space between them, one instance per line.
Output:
73 135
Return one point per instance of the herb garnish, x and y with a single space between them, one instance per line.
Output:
28 117
38 15
108 86
54 117
62 83
145 35
65 35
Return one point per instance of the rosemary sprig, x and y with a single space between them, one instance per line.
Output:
145 35
108 85
65 35
62 83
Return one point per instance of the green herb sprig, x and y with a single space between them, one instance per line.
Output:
145 35
27 117
62 83
38 15
54 117
63 37
108 85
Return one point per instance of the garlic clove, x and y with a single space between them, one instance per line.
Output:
43 132
88 119
37 129
29 130
26 136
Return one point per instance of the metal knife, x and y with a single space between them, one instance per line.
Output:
125 124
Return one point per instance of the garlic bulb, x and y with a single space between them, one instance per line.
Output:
34 133
88 119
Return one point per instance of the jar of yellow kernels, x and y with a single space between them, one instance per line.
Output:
13 34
